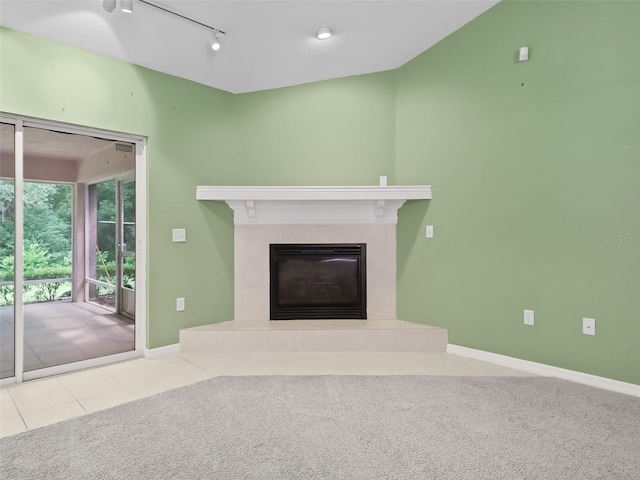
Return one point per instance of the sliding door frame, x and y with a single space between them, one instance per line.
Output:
20 122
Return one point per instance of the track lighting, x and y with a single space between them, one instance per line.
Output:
127 6
109 5
323 33
217 36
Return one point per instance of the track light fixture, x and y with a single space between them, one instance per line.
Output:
109 5
127 6
217 36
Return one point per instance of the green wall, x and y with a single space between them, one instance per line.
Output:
192 139
335 132
535 170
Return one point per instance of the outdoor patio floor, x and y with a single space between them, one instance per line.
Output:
56 333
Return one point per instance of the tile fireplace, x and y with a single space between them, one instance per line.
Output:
265 216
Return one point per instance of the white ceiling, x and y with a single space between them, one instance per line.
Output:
269 44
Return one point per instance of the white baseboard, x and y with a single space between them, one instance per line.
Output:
158 352
546 370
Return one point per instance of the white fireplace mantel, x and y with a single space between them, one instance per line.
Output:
286 205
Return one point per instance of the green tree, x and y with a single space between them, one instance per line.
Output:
47 220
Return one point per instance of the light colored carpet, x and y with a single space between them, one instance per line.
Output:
341 427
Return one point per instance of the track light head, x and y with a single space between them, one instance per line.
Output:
217 36
109 5
127 6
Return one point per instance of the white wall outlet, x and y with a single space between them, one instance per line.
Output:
589 326
529 317
179 235
523 54
180 304
429 231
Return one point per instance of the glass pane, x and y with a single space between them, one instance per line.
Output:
102 295
49 323
47 241
7 249
102 232
129 216
129 272
106 232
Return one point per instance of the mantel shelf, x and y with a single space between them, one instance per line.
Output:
290 205
394 192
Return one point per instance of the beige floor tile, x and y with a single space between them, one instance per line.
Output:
106 400
12 426
55 414
158 381
89 383
34 387
44 400
8 409
4 395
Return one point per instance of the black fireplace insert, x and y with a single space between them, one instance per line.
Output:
318 281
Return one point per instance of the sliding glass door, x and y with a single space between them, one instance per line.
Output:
70 248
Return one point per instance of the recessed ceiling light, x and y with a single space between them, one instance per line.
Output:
323 33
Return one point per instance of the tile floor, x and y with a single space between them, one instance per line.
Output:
42 402
56 333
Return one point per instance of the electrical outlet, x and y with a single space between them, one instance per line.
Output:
589 326
529 317
179 235
180 304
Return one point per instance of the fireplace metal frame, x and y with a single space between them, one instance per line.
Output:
310 311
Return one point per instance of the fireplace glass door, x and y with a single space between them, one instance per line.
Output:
318 281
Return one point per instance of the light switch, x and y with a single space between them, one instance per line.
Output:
429 231
589 326
179 235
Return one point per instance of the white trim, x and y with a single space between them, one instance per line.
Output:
142 231
273 205
160 351
72 128
546 370
36 282
359 192
7 381
18 251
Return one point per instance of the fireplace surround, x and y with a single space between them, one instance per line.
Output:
313 215
318 281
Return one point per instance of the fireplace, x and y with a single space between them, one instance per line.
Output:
318 281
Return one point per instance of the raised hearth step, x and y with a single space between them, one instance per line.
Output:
315 336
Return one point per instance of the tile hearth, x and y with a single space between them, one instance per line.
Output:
315 336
